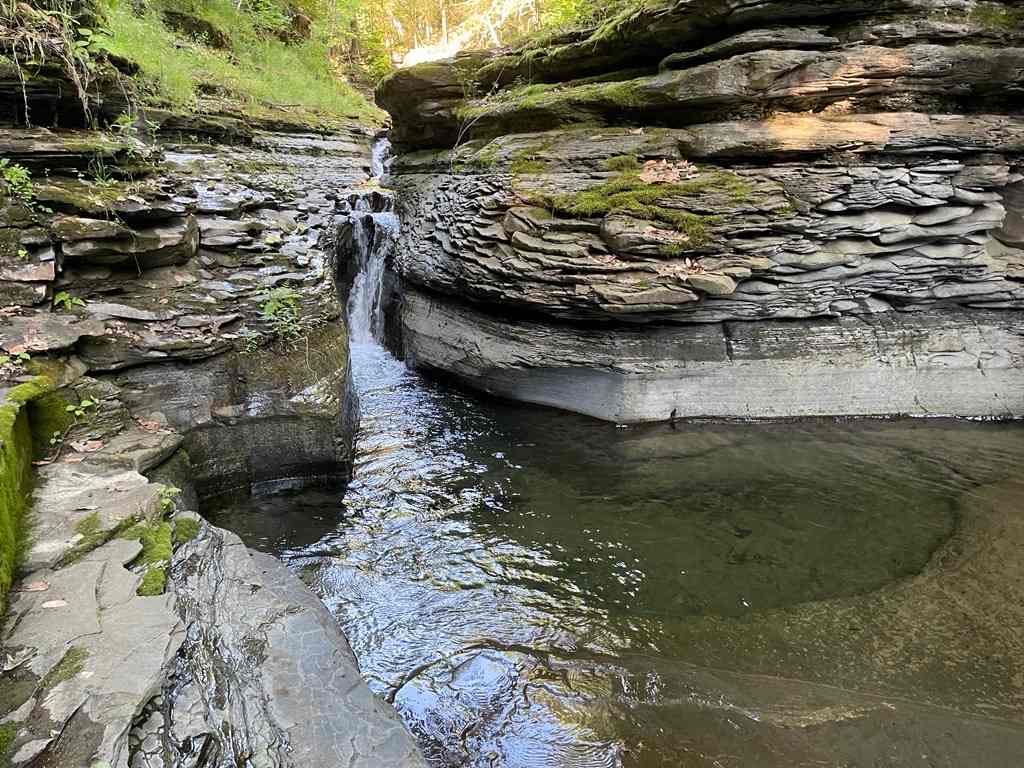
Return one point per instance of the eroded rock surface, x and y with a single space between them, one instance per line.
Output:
701 170
187 320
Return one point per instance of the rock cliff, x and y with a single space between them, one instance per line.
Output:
172 332
724 208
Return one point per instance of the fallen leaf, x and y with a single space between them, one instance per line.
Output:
55 604
88 446
36 586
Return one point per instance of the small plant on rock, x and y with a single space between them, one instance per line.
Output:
80 410
65 302
15 358
100 173
77 413
281 308
18 180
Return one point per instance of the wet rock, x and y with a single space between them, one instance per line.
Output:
304 703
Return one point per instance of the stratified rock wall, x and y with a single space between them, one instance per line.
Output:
174 312
725 208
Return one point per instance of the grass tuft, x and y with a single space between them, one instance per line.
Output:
259 72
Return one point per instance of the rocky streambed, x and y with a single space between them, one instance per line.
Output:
701 209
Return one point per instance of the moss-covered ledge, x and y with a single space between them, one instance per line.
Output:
17 447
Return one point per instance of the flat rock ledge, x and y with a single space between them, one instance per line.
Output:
236 663
908 364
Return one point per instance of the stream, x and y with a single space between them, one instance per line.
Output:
531 588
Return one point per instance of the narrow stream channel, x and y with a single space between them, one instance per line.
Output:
524 585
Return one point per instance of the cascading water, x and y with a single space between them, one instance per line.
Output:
532 589
373 237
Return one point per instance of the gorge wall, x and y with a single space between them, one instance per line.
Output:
724 208
172 332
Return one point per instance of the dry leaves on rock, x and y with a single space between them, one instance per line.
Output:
667 172
87 446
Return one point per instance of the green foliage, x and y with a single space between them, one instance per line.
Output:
565 14
623 163
64 301
8 733
281 308
167 496
19 359
81 409
260 72
18 180
998 17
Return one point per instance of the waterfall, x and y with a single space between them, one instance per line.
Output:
379 157
373 237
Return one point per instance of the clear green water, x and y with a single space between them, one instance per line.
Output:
523 584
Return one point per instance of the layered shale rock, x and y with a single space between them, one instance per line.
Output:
171 331
724 209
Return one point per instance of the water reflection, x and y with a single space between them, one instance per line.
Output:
519 581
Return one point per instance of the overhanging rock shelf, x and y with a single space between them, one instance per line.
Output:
724 209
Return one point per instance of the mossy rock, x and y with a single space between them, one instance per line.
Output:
629 194
69 666
185 530
49 417
16 451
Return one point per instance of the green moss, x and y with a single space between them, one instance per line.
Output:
14 693
89 525
71 663
156 539
623 163
185 529
525 166
48 415
94 535
629 194
16 477
153 583
568 101
487 157
672 250
8 733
